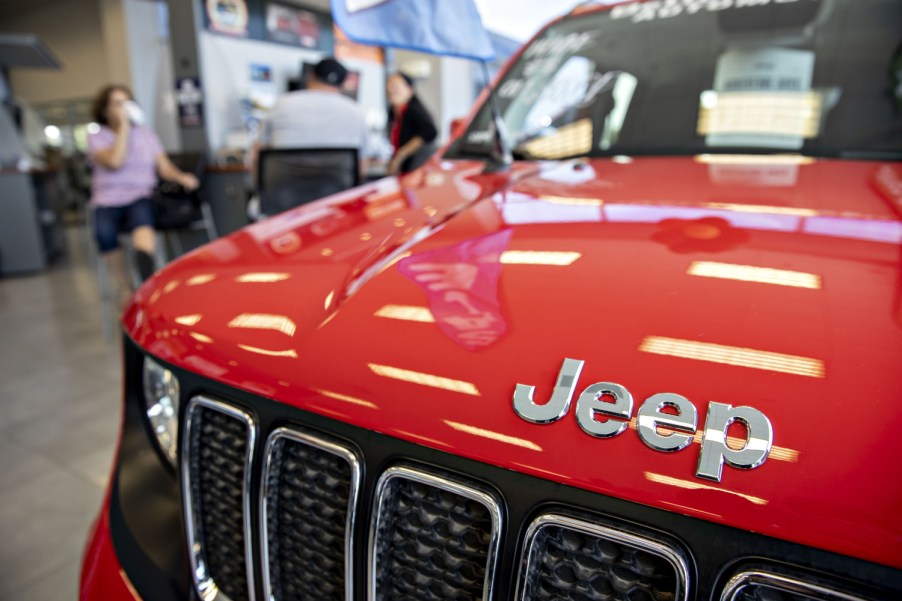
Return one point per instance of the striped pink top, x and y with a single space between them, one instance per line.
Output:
136 177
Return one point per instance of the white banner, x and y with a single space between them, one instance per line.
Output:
355 5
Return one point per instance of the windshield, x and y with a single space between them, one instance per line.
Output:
819 77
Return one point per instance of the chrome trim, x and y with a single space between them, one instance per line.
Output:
684 424
561 397
672 555
206 587
590 402
780 583
326 445
486 499
715 451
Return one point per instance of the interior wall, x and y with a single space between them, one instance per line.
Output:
447 89
115 40
99 42
72 29
226 79
150 63
458 92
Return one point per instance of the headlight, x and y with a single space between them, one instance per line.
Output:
161 393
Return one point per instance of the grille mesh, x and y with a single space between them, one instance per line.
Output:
307 511
573 565
218 448
432 544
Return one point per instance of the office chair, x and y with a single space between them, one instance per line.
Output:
178 210
290 177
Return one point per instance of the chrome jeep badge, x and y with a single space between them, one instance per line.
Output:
591 404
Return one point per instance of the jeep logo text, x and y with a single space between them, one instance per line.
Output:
681 420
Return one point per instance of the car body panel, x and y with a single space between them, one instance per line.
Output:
102 576
413 307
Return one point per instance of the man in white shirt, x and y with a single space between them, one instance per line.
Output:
319 116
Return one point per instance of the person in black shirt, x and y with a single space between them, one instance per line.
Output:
411 128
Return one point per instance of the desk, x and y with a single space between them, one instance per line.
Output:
30 231
225 189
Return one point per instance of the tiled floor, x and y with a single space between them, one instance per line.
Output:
59 418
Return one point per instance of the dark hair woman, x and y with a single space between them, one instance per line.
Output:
127 159
411 128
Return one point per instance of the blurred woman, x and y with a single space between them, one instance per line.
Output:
127 159
411 128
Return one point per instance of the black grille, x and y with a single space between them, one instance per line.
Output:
431 544
778 588
307 499
218 450
766 593
567 563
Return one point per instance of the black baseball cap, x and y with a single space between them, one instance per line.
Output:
330 71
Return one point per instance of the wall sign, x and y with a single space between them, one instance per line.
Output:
227 16
271 22
190 99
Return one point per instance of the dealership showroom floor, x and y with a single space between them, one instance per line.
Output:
59 393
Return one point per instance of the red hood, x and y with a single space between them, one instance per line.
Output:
368 309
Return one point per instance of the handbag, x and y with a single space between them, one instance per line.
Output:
174 207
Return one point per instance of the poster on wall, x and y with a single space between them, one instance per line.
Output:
291 25
262 91
228 16
271 22
190 99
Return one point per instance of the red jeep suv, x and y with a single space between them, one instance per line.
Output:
636 333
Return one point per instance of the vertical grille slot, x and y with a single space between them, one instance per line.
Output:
308 504
216 482
568 558
432 538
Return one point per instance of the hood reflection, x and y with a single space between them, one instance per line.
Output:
496 436
760 275
259 321
731 355
424 379
691 485
461 284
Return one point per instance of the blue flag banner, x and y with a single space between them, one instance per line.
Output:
444 27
